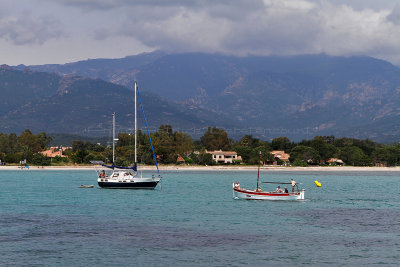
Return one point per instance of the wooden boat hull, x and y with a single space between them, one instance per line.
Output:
241 193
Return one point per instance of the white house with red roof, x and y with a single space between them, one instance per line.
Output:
220 156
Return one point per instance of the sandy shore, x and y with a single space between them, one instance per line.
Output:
222 168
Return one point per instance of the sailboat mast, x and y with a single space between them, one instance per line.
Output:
258 175
113 142
135 120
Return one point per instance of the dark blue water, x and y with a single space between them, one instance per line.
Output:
192 220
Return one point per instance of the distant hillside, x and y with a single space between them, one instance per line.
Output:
78 105
298 97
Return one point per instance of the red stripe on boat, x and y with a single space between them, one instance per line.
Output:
265 194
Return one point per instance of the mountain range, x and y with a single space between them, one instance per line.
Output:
297 96
78 105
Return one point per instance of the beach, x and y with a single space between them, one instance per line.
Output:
220 168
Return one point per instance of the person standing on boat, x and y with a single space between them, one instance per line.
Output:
293 182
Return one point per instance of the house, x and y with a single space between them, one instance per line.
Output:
55 152
220 156
280 155
180 160
335 161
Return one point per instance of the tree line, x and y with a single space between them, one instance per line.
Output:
170 144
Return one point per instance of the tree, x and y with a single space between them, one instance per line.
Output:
394 155
204 159
12 143
367 146
305 154
182 143
249 148
353 155
26 152
244 151
163 144
43 139
41 160
28 139
58 160
125 139
216 139
387 154
250 141
299 163
79 156
324 150
4 143
78 145
13 157
281 143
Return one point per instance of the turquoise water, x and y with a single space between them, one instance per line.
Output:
192 220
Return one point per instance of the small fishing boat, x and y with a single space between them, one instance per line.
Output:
259 194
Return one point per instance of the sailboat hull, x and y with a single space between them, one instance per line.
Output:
123 181
128 185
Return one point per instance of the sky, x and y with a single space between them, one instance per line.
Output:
34 32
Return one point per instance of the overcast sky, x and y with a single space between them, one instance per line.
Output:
62 31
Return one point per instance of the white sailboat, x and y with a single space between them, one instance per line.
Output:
127 177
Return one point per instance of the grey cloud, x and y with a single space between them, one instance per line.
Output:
394 16
239 29
276 27
284 27
102 34
114 4
275 33
190 4
29 30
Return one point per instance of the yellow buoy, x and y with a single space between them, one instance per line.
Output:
318 184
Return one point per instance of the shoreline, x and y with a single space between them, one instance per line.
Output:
221 168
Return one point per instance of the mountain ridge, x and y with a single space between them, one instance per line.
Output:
318 94
80 105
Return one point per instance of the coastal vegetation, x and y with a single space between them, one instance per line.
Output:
172 145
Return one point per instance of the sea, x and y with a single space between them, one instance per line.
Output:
191 219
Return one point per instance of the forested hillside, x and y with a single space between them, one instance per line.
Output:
299 96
